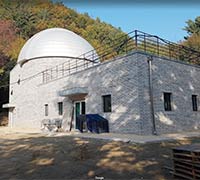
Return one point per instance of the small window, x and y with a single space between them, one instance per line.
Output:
46 109
194 103
167 101
107 103
83 107
60 108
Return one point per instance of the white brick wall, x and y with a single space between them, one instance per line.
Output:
182 80
108 78
126 79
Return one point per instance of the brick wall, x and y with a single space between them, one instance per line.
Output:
126 79
178 78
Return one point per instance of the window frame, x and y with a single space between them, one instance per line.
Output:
46 110
167 102
194 102
60 108
107 108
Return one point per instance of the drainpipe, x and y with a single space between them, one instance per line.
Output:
149 60
72 117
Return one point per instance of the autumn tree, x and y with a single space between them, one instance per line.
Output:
7 35
192 40
21 19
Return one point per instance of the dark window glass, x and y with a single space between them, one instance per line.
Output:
82 107
194 103
46 110
107 103
60 108
167 101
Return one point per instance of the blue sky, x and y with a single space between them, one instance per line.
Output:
166 20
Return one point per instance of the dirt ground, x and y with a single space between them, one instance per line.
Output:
3 118
37 156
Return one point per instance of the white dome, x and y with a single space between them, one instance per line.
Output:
54 42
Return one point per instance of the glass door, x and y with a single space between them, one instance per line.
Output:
79 110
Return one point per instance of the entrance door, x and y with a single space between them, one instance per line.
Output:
79 110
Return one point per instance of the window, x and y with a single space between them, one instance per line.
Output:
194 103
60 108
83 107
46 109
167 101
107 103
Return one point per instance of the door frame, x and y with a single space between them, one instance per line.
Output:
74 104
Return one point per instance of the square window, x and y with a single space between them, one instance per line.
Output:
107 103
167 101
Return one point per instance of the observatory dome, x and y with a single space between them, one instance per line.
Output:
54 42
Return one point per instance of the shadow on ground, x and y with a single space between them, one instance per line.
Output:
39 157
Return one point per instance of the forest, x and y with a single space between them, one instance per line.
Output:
21 19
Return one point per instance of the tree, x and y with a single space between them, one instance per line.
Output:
193 41
7 35
15 48
20 19
22 14
193 27
193 30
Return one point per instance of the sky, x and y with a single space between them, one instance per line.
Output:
166 20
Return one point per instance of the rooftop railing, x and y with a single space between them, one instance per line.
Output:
155 45
135 40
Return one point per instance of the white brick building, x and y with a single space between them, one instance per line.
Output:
147 90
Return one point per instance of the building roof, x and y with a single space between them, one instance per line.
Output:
54 42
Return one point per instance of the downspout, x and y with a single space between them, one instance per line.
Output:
72 116
149 60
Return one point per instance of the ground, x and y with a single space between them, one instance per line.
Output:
40 156
3 118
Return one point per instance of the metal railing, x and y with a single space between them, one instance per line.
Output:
71 65
135 40
155 45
